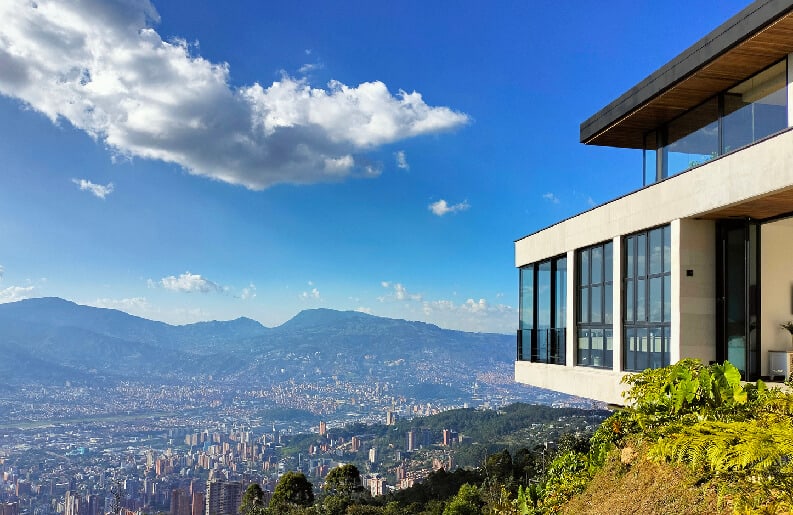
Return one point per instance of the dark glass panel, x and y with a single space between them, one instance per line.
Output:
608 262
693 138
527 297
656 299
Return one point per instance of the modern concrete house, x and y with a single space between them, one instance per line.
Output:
699 262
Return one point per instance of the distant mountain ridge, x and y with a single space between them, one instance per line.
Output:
52 339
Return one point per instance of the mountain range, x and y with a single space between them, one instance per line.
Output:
51 340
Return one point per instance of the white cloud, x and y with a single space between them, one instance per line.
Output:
249 292
441 207
128 305
187 283
362 309
309 67
550 197
96 189
102 67
399 292
310 295
401 160
15 293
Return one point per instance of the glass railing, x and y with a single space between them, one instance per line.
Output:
542 345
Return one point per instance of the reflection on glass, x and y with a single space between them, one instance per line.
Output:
755 108
693 138
527 297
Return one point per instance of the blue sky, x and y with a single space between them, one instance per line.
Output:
188 161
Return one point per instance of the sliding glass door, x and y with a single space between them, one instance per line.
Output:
737 296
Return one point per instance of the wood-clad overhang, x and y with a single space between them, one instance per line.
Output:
770 206
752 40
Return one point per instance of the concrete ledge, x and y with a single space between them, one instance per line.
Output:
590 383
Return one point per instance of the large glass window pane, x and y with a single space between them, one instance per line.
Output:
693 138
560 295
630 255
527 297
641 255
656 299
667 249
544 295
656 251
583 307
597 265
755 108
608 334
583 266
597 304
630 305
608 304
641 299
608 262
667 298
583 348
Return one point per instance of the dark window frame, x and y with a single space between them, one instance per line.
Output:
554 337
586 325
636 323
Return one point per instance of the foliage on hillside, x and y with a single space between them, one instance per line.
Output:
693 439
734 441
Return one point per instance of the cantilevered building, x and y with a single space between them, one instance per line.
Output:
699 262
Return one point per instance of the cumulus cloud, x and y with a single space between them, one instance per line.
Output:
310 295
362 309
249 292
398 292
550 197
187 283
102 67
441 207
97 190
15 293
401 160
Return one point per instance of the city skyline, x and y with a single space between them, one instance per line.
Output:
183 162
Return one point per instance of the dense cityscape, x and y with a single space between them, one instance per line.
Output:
88 450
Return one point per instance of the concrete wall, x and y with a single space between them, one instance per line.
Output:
697 292
590 383
721 182
776 287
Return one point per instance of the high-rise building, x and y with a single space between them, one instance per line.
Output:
181 502
71 503
373 455
390 418
198 504
411 446
323 428
93 504
9 508
223 497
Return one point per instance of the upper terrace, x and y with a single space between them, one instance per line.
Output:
724 92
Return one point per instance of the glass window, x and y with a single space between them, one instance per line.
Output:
755 108
693 138
647 299
595 304
752 110
543 311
